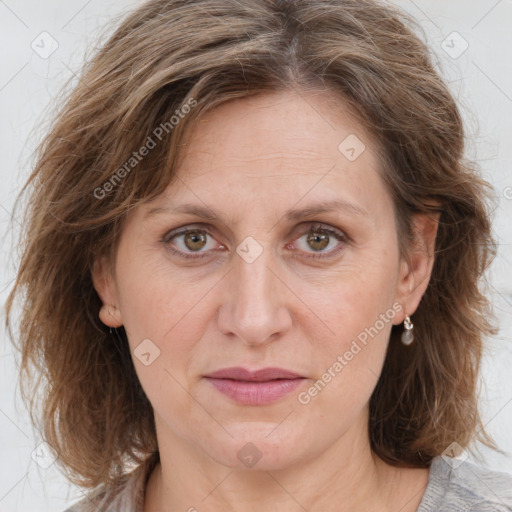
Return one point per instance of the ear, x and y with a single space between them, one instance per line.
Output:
104 284
416 268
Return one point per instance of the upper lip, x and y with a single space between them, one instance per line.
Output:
262 375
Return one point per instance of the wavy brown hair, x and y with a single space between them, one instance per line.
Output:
78 376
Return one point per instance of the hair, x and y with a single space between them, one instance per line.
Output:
168 54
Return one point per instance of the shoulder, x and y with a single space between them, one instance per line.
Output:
455 486
126 496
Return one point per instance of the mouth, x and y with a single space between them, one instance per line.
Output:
258 387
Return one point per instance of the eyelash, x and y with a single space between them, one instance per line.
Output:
340 236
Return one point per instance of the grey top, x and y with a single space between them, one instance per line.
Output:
453 486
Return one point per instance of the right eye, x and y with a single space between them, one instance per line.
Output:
188 242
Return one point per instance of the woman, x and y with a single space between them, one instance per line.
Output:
250 275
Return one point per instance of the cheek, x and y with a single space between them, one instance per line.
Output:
357 306
155 299
169 310
168 314
354 297
349 362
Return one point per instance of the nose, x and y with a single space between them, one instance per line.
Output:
255 309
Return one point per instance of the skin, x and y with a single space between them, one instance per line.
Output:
253 159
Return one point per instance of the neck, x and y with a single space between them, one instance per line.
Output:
347 477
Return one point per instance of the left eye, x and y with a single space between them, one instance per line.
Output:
322 240
194 243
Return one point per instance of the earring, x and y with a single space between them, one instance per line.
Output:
407 336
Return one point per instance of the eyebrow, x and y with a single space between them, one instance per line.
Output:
295 214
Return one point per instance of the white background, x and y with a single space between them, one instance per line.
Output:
481 79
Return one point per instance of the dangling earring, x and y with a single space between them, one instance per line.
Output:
407 336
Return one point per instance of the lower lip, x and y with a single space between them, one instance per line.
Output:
256 393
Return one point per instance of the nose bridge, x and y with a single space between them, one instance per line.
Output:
256 310
252 273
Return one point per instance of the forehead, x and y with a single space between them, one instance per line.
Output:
277 150
280 126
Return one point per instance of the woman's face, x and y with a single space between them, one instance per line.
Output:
295 267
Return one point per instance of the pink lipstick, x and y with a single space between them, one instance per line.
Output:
258 387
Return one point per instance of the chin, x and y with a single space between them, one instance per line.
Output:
260 448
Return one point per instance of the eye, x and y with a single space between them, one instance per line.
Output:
193 242
324 241
189 241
